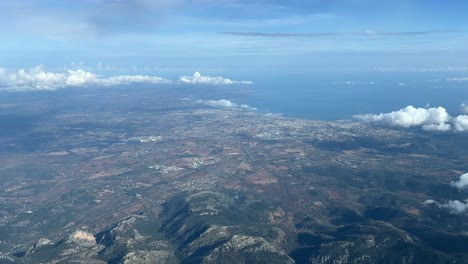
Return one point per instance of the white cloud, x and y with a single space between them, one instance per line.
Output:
197 78
457 207
354 83
358 83
223 103
430 201
462 182
454 206
428 118
460 123
77 78
38 78
127 79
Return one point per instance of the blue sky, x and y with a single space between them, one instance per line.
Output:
181 36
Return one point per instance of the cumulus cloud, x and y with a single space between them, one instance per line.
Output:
430 201
454 206
197 78
128 79
460 123
38 78
462 182
429 118
223 103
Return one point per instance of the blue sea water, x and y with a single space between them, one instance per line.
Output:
340 96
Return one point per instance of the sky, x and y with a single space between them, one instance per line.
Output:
176 37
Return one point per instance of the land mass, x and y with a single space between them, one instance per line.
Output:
143 176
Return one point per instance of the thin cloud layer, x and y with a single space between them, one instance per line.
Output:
197 78
457 79
366 33
38 78
424 69
357 83
464 108
223 103
429 119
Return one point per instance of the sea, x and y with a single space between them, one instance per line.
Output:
332 96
